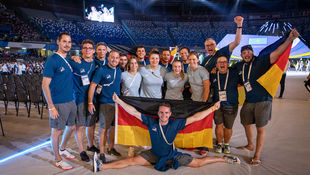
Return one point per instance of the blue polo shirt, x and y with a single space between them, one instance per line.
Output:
61 85
168 67
185 67
79 70
259 67
145 62
104 76
159 146
100 63
231 89
212 63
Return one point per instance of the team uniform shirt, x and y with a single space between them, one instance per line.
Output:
168 67
82 73
145 62
131 84
61 85
185 66
159 146
231 88
152 81
104 76
260 65
100 63
209 62
196 81
175 86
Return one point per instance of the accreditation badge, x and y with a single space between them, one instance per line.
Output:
99 88
85 80
247 86
222 95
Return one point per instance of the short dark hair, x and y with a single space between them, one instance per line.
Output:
61 34
101 44
88 41
122 54
193 53
140 46
246 47
184 47
165 49
114 51
166 104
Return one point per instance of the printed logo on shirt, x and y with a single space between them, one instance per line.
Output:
62 69
82 70
214 80
240 72
108 76
154 129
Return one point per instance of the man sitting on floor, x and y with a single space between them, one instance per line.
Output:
162 133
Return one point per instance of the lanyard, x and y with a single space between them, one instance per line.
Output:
112 80
66 62
248 72
218 80
162 133
209 60
87 72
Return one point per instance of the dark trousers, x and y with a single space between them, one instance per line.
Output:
282 83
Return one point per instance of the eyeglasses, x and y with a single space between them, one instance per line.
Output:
222 62
87 48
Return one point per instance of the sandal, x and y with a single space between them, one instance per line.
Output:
255 162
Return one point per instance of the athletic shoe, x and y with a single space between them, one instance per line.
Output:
232 159
93 149
96 163
102 158
227 149
218 148
84 156
113 152
66 154
63 165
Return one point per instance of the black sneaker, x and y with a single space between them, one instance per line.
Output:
113 152
93 149
102 158
96 163
84 156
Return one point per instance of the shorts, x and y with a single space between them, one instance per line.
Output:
226 115
152 159
256 113
67 115
106 115
91 120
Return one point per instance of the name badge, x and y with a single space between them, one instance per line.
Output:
85 80
222 95
247 86
99 88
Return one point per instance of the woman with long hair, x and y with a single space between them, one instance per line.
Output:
131 78
175 81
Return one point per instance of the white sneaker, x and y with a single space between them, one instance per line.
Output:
63 165
66 154
96 163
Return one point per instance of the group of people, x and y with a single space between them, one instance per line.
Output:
81 91
19 68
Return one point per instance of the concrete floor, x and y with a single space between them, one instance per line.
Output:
286 149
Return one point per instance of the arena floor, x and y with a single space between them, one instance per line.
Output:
286 149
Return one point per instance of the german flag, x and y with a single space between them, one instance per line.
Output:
131 131
271 79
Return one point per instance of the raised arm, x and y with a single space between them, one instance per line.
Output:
130 109
47 93
239 21
275 54
201 115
